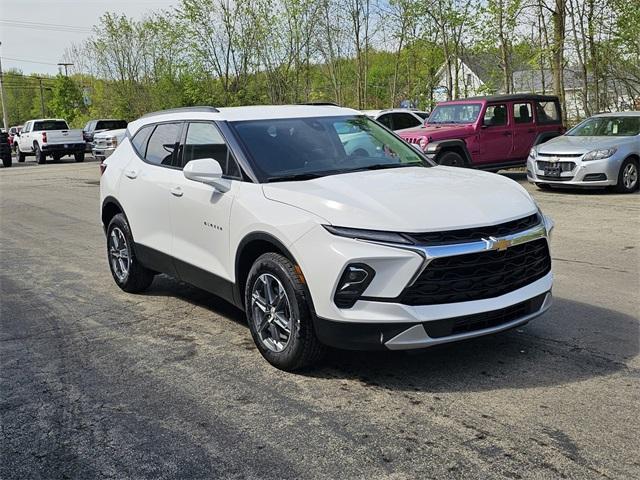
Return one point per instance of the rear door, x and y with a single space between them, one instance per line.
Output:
201 214
496 135
145 191
524 129
24 142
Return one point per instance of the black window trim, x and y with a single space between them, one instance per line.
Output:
183 143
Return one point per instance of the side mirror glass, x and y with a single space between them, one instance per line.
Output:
208 171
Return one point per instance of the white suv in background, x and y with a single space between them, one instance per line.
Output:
265 207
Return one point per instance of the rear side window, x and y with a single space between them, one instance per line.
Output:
140 139
522 113
404 120
203 140
50 125
547 112
495 115
163 143
386 121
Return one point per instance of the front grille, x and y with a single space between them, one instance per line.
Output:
555 179
477 276
560 155
563 166
475 234
481 321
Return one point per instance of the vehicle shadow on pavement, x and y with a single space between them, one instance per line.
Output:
572 342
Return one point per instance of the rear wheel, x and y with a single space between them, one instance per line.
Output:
126 270
451 159
41 158
21 156
79 156
628 176
279 314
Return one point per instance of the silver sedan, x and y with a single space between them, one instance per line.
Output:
603 150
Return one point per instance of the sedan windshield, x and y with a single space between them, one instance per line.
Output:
460 113
607 127
306 148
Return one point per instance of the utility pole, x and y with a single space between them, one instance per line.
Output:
4 104
41 97
65 65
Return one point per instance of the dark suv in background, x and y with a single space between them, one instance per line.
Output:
96 126
488 132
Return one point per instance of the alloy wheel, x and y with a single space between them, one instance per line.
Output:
119 254
630 176
271 312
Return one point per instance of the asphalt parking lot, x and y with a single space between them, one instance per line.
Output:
97 383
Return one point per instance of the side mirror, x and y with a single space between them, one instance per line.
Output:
208 171
17 134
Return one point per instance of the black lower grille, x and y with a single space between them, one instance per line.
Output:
481 321
478 276
555 179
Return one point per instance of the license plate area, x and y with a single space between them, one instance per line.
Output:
552 171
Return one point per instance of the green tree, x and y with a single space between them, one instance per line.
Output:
66 99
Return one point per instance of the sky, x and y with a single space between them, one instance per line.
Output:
35 33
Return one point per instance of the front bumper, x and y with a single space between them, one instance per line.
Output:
593 173
103 153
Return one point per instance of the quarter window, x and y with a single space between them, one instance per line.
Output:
162 144
203 140
141 138
522 113
495 115
547 112
386 121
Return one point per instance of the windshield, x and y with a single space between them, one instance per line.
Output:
459 113
306 148
607 127
110 124
50 125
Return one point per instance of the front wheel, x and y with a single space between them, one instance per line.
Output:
628 176
7 161
21 156
451 159
126 270
279 314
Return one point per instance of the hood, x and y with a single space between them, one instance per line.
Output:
410 199
119 133
566 144
438 132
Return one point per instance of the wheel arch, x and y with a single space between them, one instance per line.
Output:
110 208
249 249
457 145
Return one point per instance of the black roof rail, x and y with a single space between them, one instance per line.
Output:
200 109
320 104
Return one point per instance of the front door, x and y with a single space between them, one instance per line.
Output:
496 135
200 214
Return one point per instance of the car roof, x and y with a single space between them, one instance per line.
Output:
618 114
507 98
236 114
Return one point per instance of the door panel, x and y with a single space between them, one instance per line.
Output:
496 135
524 130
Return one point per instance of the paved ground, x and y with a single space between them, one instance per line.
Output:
98 383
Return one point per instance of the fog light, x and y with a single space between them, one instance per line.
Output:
354 281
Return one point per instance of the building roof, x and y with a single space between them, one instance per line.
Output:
531 80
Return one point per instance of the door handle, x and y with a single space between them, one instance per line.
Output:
506 134
131 173
176 191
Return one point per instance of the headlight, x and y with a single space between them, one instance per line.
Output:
423 143
600 154
533 153
371 235
112 142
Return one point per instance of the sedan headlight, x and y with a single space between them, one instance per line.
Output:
533 153
600 154
370 235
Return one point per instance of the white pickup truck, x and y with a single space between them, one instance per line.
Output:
49 137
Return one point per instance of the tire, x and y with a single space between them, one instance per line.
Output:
7 161
628 176
543 186
300 348
451 159
79 156
21 156
41 158
127 272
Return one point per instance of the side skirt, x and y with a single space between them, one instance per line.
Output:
196 276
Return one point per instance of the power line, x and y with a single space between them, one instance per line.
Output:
24 60
45 26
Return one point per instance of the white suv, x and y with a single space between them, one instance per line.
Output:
269 208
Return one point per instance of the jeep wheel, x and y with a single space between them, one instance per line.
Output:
128 273
451 159
279 315
41 158
628 176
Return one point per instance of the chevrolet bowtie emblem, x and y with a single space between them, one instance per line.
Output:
497 244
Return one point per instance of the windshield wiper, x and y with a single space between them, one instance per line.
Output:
382 166
296 177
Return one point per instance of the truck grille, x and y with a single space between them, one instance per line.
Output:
474 234
477 276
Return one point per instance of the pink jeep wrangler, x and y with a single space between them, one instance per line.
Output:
487 132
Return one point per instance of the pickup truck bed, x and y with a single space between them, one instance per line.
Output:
50 137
